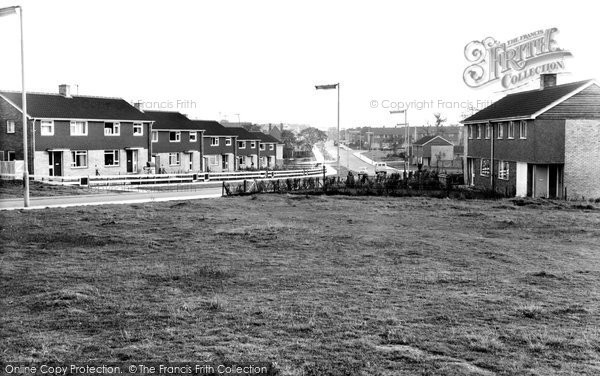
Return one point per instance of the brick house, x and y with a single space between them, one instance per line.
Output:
539 143
247 148
219 146
430 149
73 135
268 150
177 145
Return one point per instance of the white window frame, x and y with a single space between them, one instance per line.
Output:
140 126
523 130
49 124
228 141
177 136
213 160
241 144
271 147
193 136
10 153
488 131
500 131
471 131
116 158
481 169
241 160
214 141
261 146
154 136
479 132
503 170
253 145
116 128
177 157
73 128
10 126
510 130
74 154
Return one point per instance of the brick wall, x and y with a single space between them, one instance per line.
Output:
507 187
95 161
184 165
14 141
582 158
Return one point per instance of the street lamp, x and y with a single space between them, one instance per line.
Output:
329 87
7 12
406 137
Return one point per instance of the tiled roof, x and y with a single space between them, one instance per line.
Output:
424 140
170 120
56 106
525 104
244 134
213 128
266 137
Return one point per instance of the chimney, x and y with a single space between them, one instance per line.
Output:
281 127
270 127
64 90
139 106
547 80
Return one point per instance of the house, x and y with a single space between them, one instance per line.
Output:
219 146
247 148
75 135
270 155
540 143
176 145
430 149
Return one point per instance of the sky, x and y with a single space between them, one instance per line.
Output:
261 59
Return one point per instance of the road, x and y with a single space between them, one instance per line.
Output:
109 198
352 162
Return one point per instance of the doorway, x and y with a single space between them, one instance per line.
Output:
132 161
55 163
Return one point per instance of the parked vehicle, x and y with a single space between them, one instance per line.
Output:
380 168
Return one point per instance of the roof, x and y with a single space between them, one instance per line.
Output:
528 104
56 106
427 139
213 128
266 137
171 120
244 134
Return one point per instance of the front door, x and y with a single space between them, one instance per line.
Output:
132 161
191 161
540 187
225 162
471 171
55 163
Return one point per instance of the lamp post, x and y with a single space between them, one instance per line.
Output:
329 87
7 12
406 137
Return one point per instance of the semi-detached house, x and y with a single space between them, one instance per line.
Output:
73 135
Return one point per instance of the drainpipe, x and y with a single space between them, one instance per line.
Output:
33 147
492 156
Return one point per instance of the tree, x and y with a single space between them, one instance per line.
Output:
309 137
439 121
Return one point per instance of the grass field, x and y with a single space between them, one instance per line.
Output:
320 285
14 189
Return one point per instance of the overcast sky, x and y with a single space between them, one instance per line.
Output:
261 59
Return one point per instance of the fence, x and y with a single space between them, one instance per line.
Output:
11 170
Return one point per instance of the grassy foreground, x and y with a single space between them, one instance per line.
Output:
320 285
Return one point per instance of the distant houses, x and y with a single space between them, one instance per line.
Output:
539 143
73 135
430 150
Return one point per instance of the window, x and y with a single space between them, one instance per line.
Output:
510 131
79 128
470 131
11 156
488 131
479 131
174 159
252 145
112 129
262 146
174 136
10 126
193 136
523 129
214 141
138 129
241 144
241 160
47 127
154 136
485 167
111 158
271 147
2 155
79 158
228 141
503 168
500 131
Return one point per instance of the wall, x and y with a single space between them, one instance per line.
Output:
507 187
164 145
14 141
582 158
95 160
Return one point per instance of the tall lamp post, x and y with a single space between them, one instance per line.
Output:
7 12
406 137
329 87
